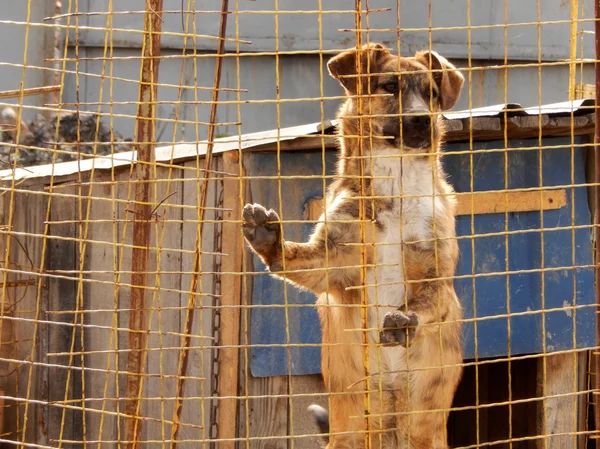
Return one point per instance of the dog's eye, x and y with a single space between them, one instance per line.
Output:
431 94
391 87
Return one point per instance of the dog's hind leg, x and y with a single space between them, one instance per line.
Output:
434 368
358 408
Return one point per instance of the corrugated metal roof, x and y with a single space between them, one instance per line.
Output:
169 153
267 140
576 107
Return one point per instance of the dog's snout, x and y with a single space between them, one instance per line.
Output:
417 128
416 122
420 121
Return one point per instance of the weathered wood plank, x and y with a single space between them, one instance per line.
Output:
2 393
582 403
62 297
197 402
483 202
231 263
269 413
103 300
558 415
164 305
493 202
312 391
9 379
262 413
26 260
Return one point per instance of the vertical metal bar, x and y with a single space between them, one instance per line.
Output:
145 132
573 50
597 214
57 51
362 71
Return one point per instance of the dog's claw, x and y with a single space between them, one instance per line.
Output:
398 328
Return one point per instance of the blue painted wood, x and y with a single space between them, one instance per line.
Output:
268 316
489 296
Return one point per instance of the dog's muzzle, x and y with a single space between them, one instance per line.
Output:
416 130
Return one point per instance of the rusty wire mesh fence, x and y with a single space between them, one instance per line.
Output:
133 312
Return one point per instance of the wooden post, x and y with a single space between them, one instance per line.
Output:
142 225
233 247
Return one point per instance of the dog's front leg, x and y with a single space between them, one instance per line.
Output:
419 316
319 265
430 299
430 302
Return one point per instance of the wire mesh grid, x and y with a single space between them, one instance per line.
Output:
133 312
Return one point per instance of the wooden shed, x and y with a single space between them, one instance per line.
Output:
247 367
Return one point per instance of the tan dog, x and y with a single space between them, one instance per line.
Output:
412 363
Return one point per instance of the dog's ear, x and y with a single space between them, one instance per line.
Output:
447 77
342 67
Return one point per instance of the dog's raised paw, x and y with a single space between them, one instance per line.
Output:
398 328
262 230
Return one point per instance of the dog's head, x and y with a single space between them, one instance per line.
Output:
400 98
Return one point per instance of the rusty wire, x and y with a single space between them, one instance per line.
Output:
128 300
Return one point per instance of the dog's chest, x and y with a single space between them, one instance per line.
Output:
408 187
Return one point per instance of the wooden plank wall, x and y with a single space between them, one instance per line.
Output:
63 336
88 263
23 361
171 264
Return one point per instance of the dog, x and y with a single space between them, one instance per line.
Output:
391 236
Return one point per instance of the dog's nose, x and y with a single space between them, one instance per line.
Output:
420 121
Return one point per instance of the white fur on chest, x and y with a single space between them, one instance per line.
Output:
410 185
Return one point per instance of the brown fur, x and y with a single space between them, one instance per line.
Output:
408 408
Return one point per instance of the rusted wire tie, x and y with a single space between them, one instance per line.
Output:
313 435
343 30
97 326
29 91
311 306
81 74
286 100
308 177
90 410
206 347
472 276
86 369
274 53
111 283
123 30
247 12
462 28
